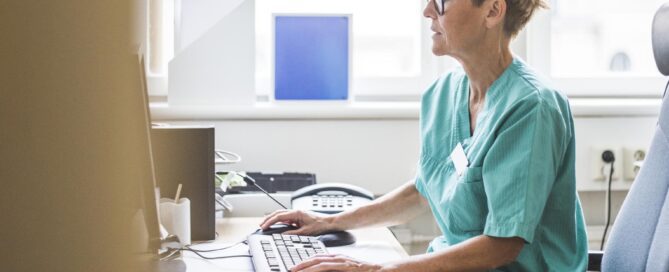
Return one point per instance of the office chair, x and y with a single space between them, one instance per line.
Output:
639 239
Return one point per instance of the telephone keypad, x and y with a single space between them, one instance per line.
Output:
332 201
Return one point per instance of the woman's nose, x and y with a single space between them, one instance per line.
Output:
429 11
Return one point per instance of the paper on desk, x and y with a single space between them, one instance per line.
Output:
195 263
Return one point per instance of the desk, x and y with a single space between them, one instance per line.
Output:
373 245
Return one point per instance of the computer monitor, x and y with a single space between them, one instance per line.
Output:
148 204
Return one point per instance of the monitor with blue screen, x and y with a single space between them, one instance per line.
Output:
312 57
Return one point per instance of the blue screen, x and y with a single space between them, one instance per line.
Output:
311 58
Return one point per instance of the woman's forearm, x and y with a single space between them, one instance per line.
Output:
396 207
480 253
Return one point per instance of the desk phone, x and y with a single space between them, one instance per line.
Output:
330 197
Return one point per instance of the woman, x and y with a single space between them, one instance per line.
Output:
497 159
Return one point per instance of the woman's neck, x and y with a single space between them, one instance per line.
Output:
484 67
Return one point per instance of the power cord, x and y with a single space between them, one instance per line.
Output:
213 258
254 183
245 241
198 251
217 249
609 158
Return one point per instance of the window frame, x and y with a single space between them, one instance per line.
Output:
396 88
615 86
533 44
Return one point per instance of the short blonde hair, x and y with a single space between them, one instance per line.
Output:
518 13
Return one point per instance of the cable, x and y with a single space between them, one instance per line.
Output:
608 210
213 258
253 181
608 157
198 251
217 249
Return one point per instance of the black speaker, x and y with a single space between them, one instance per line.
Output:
186 155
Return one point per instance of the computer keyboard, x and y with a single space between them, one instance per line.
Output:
280 252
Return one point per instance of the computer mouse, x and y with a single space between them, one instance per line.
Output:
337 238
276 228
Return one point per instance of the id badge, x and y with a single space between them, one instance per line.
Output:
459 159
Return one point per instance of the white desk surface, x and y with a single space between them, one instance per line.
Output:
376 245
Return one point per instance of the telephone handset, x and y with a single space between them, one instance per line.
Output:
330 197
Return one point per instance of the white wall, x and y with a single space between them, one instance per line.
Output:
380 154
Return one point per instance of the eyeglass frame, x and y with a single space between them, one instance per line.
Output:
439 8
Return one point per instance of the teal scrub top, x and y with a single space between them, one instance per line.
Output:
520 181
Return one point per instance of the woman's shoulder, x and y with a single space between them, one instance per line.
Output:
529 88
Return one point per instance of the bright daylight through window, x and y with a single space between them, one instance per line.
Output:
592 48
387 38
596 38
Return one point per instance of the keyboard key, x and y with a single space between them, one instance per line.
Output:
283 252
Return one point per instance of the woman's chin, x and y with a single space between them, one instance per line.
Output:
438 51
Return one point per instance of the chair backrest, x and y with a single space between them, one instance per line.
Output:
661 39
639 239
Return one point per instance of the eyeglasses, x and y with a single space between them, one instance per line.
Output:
438 6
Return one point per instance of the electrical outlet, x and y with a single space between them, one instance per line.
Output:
599 168
632 160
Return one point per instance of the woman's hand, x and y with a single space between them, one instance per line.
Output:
335 263
308 223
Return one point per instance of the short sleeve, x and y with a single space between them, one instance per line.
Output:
418 183
520 169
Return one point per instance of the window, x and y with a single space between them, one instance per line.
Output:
613 38
597 47
391 44
588 48
389 52
160 44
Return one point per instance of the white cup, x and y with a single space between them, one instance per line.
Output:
175 217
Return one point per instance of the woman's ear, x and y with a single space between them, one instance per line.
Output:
496 12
